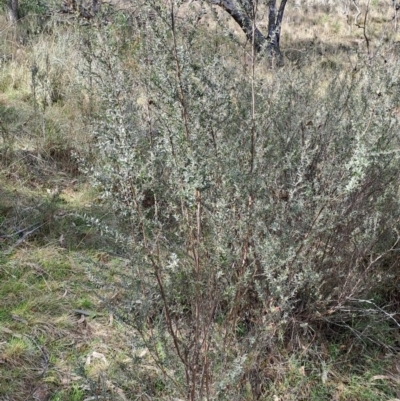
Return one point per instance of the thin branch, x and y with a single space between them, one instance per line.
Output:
388 315
179 75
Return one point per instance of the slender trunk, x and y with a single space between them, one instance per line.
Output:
274 29
12 11
270 43
243 21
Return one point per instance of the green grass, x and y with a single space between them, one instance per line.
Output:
74 394
41 282
307 381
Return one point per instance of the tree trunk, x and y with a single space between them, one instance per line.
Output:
12 10
274 29
268 44
95 6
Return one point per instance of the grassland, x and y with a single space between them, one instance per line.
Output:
58 339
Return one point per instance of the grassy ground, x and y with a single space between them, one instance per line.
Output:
57 339
43 280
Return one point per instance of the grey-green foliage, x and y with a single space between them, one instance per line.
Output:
237 225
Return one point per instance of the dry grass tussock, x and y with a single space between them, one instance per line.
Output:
42 101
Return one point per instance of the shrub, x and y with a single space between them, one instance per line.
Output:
250 201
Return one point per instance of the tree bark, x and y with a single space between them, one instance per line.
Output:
243 21
274 28
95 6
12 10
269 43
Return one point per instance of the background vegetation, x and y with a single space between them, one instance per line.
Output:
182 219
